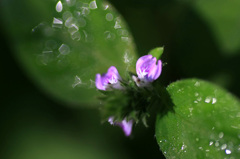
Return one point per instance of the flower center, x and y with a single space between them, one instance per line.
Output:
142 72
112 80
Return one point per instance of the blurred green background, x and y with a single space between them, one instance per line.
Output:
201 40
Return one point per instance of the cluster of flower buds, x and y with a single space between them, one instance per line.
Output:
148 69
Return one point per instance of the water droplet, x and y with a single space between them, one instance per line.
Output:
93 5
70 22
105 6
47 51
109 17
207 100
183 147
92 83
224 146
214 100
221 134
190 110
197 84
76 36
228 151
37 27
59 6
216 143
42 60
122 32
126 57
73 29
195 101
77 81
117 23
57 23
66 15
210 143
235 127
79 5
109 35
88 37
160 141
85 9
180 90
70 2
77 14
47 55
199 99
64 49
238 147
125 39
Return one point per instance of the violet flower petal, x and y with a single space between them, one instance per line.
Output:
147 69
113 70
159 70
124 124
155 71
110 120
99 82
142 60
126 127
144 65
108 80
112 76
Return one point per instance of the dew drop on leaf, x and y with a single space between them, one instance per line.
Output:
59 6
221 134
228 151
109 17
93 5
224 146
64 49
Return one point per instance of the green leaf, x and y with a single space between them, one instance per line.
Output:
203 121
62 49
157 52
223 19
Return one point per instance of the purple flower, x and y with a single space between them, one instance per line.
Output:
148 69
124 124
108 80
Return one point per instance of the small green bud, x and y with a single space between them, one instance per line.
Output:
157 52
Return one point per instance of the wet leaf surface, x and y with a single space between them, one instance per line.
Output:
202 122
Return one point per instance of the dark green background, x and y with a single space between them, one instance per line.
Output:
33 125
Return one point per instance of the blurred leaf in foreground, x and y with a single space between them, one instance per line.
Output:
223 19
203 122
62 45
